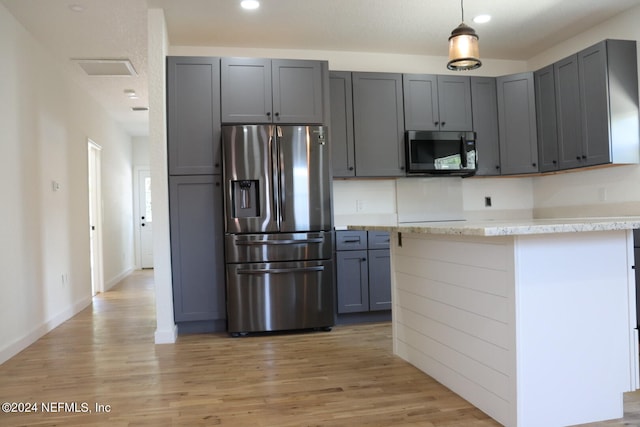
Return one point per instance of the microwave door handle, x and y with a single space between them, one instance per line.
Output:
463 153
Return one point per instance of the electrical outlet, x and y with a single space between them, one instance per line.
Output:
359 205
602 194
487 201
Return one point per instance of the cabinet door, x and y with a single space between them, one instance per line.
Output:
378 124
197 258
420 102
297 91
379 280
193 114
484 103
341 129
547 124
454 103
378 239
246 90
592 65
352 281
517 123
570 148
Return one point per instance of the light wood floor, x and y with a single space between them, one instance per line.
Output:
106 355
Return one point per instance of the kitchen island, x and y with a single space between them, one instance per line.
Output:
532 321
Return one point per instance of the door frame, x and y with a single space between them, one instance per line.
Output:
137 209
94 172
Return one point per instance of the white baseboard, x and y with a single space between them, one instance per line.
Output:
115 280
166 336
17 346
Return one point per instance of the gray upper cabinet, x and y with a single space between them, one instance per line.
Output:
197 258
587 108
341 129
378 124
193 115
484 103
608 75
546 113
517 124
569 132
437 102
256 90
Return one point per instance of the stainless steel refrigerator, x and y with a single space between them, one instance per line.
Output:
278 228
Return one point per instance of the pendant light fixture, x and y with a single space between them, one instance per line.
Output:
463 47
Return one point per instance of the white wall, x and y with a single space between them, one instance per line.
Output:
44 235
158 42
603 192
140 151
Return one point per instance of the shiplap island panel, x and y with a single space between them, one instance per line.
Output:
531 321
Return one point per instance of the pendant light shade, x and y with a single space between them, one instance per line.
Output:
464 53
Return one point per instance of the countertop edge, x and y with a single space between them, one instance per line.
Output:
509 228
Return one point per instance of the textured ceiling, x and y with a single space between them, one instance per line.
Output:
117 29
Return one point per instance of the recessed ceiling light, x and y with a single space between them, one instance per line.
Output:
482 19
76 7
250 4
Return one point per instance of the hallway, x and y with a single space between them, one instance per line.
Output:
102 368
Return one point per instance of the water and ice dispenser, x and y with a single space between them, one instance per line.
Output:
245 198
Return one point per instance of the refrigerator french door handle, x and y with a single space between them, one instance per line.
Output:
277 242
280 270
275 194
281 179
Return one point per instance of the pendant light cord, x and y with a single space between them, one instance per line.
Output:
462 9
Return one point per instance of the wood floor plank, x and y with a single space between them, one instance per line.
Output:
105 355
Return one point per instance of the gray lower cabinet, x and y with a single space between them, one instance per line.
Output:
378 117
257 90
517 124
197 258
363 271
484 104
341 129
193 115
437 102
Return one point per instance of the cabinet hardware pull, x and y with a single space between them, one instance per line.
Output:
277 242
280 270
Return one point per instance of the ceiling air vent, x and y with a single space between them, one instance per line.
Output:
107 67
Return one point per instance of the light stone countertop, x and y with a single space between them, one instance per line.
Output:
509 227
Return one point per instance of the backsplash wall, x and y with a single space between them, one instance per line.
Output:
387 201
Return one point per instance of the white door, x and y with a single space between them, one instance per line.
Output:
145 219
95 217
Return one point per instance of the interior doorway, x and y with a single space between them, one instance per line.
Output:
95 217
144 218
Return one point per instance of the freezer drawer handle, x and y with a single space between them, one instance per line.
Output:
277 242
281 270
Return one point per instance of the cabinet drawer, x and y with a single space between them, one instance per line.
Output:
351 240
378 240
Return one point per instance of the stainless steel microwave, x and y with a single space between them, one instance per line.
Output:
440 153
